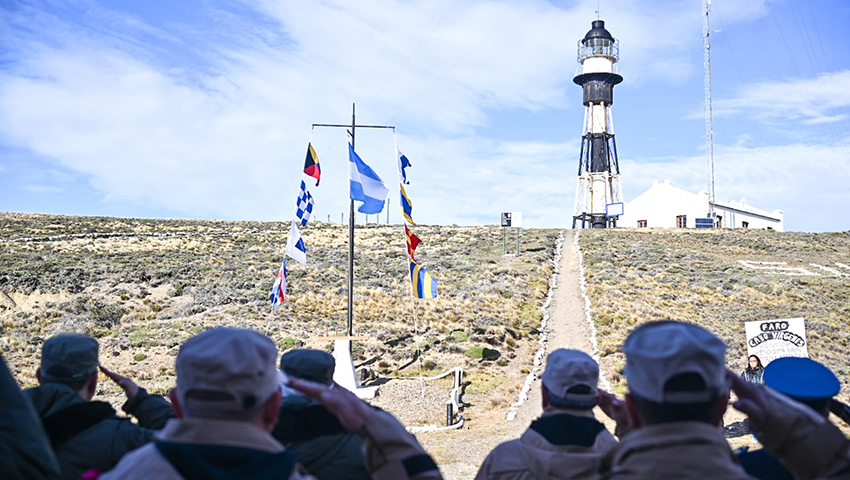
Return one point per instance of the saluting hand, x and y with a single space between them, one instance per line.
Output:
350 410
616 410
130 387
752 399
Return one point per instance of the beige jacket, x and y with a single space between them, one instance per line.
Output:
557 446
674 451
390 452
805 442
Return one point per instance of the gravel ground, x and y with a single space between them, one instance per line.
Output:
415 403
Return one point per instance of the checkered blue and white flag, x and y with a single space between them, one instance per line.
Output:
304 205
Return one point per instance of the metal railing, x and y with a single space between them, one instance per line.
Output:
611 51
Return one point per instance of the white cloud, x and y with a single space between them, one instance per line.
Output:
226 138
812 100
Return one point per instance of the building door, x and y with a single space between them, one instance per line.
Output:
681 221
719 221
641 223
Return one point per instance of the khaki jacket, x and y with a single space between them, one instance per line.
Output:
674 451
557 446
239 450
805 442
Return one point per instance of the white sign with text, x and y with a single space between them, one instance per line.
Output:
772 339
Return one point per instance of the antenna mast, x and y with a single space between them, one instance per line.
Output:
709 130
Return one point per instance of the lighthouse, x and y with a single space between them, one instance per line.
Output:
598 193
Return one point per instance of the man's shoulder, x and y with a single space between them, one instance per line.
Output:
506 456
52 397
77 420
506 448
144 462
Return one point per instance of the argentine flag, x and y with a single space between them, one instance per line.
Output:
366 185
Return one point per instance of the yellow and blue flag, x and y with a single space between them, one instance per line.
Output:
423 285
406 206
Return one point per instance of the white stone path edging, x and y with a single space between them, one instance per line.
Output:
592 326
544 335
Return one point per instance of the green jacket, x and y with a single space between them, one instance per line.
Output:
25 452
88 435
318 441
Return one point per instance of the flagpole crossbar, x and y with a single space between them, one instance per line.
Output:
348 125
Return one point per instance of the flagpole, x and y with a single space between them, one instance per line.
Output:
410 290
269 321
352 126
351 243
415 320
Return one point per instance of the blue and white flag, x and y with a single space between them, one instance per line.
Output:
403 163
366 185
304 205
278 294
295 246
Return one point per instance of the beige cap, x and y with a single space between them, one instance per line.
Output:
658 351
566 369
226 370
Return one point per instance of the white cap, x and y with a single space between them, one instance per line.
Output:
658 351
566 369
227 370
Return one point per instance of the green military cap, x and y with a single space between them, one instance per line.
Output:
68 357
314 365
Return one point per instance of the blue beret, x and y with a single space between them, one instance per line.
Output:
801 379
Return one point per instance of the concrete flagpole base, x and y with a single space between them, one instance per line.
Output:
344 373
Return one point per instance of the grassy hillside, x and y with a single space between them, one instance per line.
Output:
144 286
696 275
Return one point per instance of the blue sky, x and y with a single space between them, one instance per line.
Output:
202 109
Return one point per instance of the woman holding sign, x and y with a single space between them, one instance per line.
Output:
754 371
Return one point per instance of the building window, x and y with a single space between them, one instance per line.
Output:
641 223
745 224
681 221
719 221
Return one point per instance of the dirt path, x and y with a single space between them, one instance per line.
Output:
567 324
460 452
